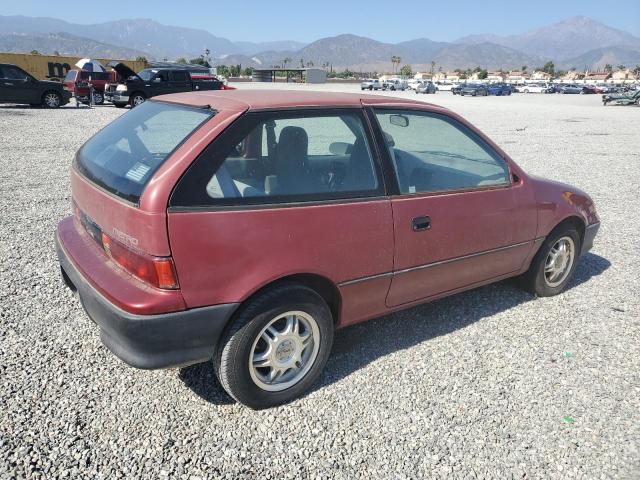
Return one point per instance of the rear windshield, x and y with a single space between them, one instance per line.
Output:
124 155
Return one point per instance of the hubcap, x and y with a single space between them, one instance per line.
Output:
559 261
51 99
138 99
284 351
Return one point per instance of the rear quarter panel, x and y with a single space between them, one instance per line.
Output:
225 256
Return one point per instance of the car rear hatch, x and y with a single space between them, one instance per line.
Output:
110 173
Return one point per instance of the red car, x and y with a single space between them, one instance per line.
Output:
244 227
78 82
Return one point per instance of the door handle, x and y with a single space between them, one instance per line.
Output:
420 224
7 83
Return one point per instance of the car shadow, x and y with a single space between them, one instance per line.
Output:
358 345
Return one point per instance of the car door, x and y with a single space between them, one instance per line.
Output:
17 85
179 81
280 193
459 217
160 84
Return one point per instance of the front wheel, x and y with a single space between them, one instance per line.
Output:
137 99
276 348
555 263
51 100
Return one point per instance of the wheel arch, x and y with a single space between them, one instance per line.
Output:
571 221
320 284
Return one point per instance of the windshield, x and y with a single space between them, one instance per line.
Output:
146 75
124 155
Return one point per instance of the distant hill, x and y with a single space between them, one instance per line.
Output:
566 39
64 44
598 58
576 41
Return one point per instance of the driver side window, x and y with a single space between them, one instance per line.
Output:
433 153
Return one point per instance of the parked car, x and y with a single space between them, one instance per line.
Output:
534 88
371 84
456 89
499 89
444 86
79 82
18 86
474 89
573 89
134 88
394 84
627 98
205 228
426 87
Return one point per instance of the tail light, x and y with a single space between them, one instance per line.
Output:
157 271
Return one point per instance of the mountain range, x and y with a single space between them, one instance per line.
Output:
578 42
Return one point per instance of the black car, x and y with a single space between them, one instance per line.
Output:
134 88
475 90
18 86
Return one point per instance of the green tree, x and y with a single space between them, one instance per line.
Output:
141 59
622 67
549 68
406 71
482 74
181 60
35 52
56 53
247 72
200 61
636 71
524 68
608 68
223 70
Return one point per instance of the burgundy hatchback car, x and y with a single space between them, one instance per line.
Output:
244 227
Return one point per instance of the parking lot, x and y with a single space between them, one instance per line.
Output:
488 383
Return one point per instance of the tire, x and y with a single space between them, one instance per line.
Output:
371 88
245 340
137 98
536 280
526 90
51 100
98 98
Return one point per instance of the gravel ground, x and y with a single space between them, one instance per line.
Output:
489 383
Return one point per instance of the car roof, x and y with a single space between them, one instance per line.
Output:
240 100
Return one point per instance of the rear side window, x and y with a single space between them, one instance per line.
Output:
123 156
279 158
179 76
13 73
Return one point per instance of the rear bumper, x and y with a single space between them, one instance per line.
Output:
589 235
149 341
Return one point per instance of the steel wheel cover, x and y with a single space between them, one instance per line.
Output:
284 351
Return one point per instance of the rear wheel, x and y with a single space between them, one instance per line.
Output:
276 348
554 264
98 98
51 100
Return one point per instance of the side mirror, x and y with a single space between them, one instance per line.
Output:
399 120
340 148
157 80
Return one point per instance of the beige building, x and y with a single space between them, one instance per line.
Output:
572 76
596 77
623 76
540 76
517 77
496 76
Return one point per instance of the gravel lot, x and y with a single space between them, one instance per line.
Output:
489 383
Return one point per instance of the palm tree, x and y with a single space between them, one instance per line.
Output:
395 60
433 67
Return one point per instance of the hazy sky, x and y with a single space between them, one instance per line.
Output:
308 20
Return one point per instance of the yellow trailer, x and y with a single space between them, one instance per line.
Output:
55 67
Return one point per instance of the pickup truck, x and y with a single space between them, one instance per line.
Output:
371 84
18 86
134 88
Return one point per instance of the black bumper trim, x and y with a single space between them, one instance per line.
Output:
149 341
589 235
